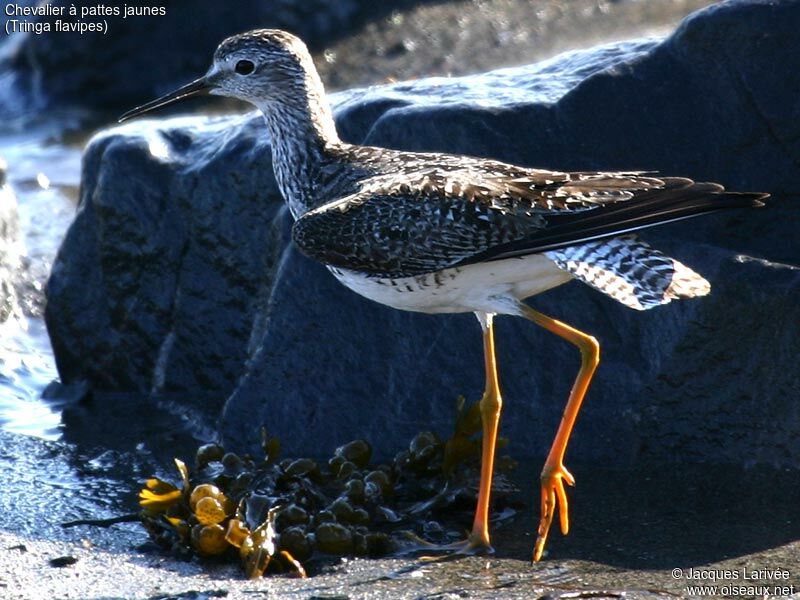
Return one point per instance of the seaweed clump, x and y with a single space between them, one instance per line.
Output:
279 514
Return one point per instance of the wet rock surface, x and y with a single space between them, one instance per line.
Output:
630 530
177 279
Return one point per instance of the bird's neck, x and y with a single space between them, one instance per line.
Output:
302 135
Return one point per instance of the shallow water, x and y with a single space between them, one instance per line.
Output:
43 173
26 368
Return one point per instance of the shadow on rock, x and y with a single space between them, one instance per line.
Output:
665 517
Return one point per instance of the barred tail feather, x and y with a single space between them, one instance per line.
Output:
686 283
630 271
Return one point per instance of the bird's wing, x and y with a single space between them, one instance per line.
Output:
423 221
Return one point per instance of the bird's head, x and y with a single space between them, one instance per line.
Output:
262 67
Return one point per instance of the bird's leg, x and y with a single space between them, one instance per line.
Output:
490 406
553 473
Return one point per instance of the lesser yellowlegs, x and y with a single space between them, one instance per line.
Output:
440 233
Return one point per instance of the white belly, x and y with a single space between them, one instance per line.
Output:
485 287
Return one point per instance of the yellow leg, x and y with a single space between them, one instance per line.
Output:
490 406
553 473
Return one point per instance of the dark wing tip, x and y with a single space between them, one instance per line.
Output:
733 199
679 198
745 199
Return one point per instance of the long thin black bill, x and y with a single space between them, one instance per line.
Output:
198 87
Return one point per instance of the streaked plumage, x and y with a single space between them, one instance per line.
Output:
435 232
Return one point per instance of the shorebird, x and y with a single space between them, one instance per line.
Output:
440 233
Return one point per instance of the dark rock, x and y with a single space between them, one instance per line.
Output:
729 382
177 276
136 59
146 253
62 561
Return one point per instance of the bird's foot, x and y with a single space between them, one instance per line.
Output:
474 545
553 496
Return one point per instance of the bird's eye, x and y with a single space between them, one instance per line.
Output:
245 67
